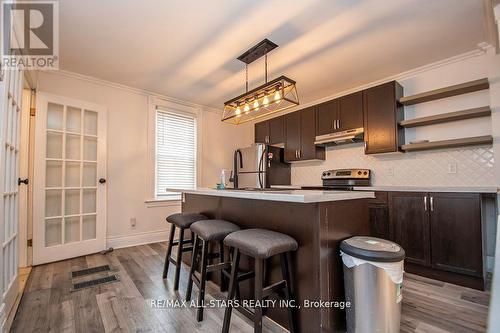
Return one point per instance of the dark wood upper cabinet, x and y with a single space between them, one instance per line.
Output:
308 150
277 130
326 115
271 131
262 132
456 238
350 111
340 114
382 114
410 227
292 136
300 133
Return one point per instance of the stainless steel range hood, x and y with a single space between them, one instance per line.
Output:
337 138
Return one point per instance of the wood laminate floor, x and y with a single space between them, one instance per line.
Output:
48 305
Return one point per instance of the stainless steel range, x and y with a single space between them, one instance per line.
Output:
343 179
346 179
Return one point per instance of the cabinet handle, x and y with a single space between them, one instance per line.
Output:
432 204
338 123
300 153
296 156
425 203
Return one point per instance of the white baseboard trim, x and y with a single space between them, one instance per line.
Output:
140 238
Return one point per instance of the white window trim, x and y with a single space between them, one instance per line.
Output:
157 103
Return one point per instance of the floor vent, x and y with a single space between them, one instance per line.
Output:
92 283
88 271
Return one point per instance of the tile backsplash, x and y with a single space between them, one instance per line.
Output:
448 167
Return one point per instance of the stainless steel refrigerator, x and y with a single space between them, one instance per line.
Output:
259 166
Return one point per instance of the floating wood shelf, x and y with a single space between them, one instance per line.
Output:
463 142
483 111
458 89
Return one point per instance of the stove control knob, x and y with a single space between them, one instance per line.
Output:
359 172
324 174
365 173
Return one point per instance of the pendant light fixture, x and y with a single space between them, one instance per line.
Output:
273 96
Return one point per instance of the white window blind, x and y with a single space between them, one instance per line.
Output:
175 152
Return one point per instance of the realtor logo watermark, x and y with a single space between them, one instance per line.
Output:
30 35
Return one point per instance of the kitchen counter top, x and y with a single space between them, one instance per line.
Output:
472 189
300 196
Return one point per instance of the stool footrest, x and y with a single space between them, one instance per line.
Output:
187 249
247 312
186 241
219 266
273 288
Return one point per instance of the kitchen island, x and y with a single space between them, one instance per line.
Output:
318 220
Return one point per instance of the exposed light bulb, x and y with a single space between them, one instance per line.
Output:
277 96
238 111
265 101
256 105
246 108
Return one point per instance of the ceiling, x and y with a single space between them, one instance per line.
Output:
186 49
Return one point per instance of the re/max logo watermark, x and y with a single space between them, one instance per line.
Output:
30 35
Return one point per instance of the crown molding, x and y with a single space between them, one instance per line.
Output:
133 90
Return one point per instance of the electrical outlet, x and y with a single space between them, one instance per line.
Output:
390 171
133 222
452 168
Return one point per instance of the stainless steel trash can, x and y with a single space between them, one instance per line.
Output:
373 278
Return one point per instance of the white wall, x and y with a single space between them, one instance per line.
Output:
128 166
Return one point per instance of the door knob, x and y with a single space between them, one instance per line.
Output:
102 181
22 181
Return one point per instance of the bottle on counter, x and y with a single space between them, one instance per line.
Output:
222 182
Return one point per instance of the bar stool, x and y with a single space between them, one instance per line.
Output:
181 221
204 232
260 244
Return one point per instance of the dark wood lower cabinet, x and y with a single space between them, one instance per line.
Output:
456 238
379 216
410 225
441 233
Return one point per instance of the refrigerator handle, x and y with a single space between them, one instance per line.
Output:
261 168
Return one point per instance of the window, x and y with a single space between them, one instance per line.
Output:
175 152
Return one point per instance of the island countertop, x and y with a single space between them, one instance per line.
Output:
299 196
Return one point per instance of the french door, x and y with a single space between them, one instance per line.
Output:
10 113
69 194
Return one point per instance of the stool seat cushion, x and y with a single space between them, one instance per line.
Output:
184 220
213 230
261 243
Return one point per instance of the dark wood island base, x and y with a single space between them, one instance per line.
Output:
318 227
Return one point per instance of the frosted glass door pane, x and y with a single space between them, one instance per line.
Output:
89 174
53 203
54 145
89 201
53 232
72 176
88 227
90 123
71 229
55 116
73 120
72 147
90 149
53 174
72 202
